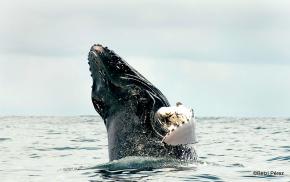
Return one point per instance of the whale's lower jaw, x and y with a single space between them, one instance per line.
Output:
128 137
127 102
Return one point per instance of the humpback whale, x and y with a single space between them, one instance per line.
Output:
134 111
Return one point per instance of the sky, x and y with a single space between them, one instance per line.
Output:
222 58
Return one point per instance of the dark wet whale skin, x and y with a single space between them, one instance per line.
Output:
127 102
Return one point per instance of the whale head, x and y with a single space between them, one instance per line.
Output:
138 117
117 86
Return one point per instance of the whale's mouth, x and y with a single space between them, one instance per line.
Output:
177 124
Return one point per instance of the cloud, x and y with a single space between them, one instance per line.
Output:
221 89
61 86
235 32
45 85
222 58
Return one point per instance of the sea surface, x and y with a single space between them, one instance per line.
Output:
75 149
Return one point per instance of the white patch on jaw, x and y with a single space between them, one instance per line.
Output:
180 123
183 134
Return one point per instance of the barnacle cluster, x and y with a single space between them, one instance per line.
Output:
179 123
173 117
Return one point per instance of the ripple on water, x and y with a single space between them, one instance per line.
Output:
34 156
263 177
230 149
280 158
4 139
84 140
285 147
236 165
260 128
67 148
208 177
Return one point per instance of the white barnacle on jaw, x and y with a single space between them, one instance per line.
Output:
180 122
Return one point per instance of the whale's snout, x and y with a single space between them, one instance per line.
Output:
97 59
97 48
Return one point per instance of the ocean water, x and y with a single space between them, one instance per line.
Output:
75 149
